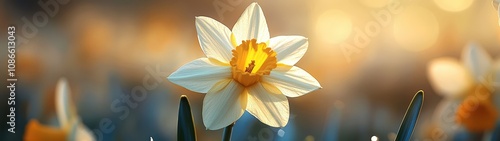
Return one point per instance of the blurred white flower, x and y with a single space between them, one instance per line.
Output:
453 79
71 128
245 69
470 84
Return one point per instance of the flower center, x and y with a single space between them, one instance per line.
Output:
37 131
477 111
252 60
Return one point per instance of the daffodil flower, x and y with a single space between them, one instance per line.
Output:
70 126
470 83
245 69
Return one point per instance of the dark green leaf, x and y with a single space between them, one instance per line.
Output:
185 125
226 136
495 135
411 117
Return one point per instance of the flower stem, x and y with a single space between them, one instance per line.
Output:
226 136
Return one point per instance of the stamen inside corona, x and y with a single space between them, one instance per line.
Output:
250 67
252 60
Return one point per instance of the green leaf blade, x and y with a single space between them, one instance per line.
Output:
411 117
185 124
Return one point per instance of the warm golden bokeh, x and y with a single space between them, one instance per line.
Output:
416 28
375 3
454 5
333 26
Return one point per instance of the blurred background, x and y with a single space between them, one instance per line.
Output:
370 56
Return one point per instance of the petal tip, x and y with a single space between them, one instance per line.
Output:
212 127
199 17
171 78
254 3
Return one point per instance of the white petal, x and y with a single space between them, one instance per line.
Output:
477 60
449 77
269 108
496 94
64 107
224 106
200 75
214 38
444 115
292 81
496 80
498 10
289 49
251 25
80 133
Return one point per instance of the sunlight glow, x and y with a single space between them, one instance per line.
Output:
333 26
375 3
416 28
453 5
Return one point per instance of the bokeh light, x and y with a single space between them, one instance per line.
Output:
375 3
333 26
374 138
416 28
453 5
